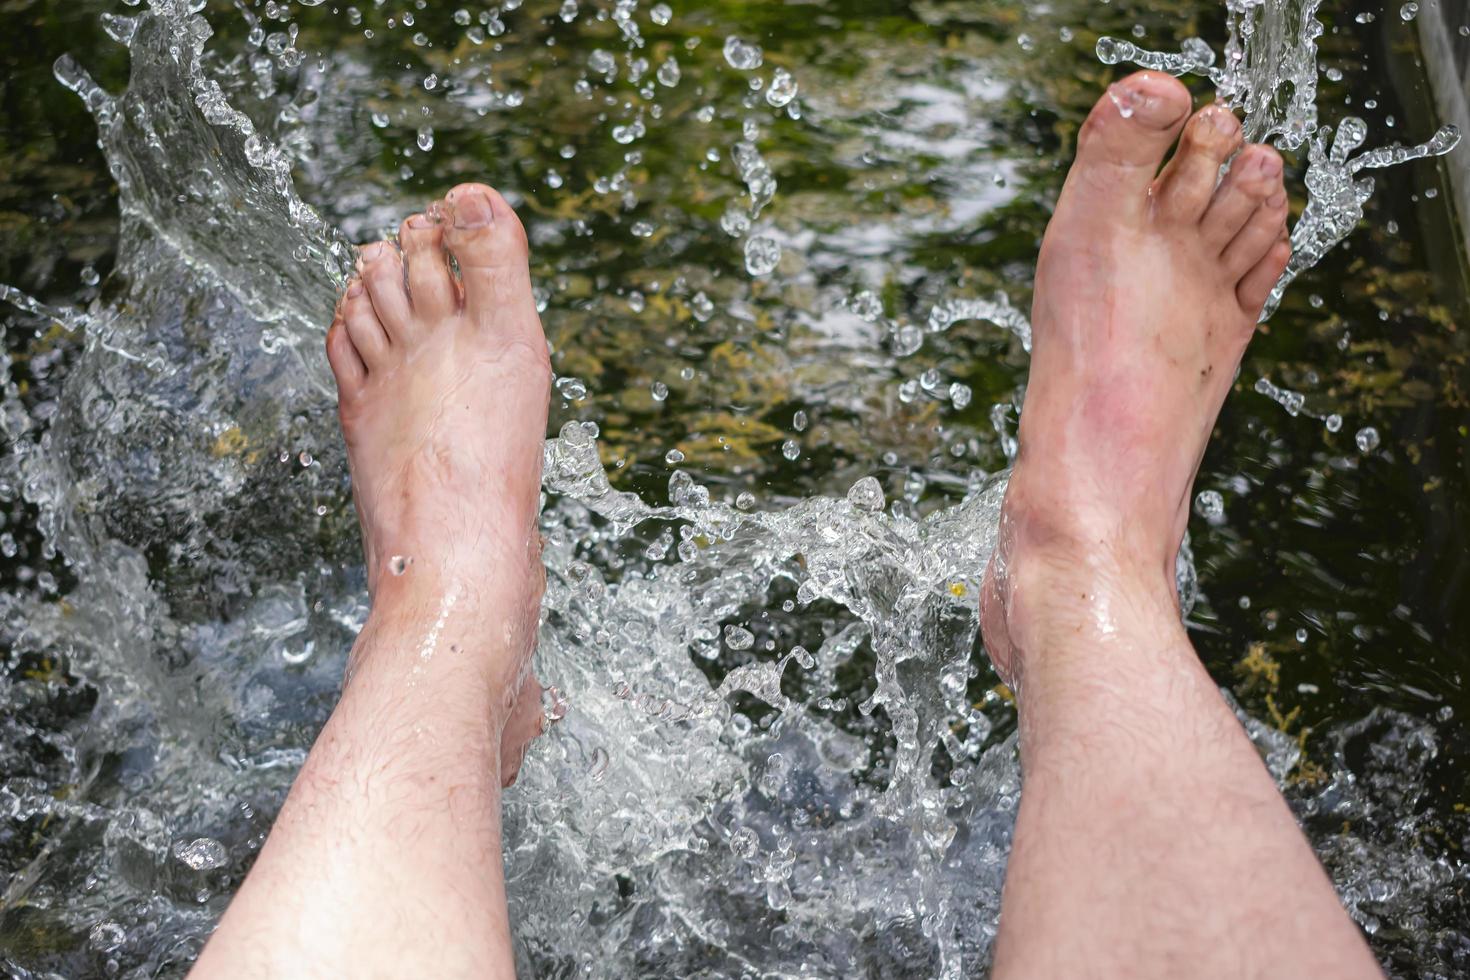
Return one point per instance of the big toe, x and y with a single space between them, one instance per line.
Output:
1125 137
488 244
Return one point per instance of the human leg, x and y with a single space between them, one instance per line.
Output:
385 859
1151 841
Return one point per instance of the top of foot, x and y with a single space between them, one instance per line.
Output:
1148 288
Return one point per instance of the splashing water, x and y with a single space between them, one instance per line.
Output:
778 752
1270 74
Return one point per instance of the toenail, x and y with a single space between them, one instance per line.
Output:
420 221
1127 98
1270 164
472 210
354 289
1133 101
1223 120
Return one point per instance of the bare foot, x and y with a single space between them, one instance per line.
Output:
1148 289
443 379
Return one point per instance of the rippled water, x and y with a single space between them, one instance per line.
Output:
781 277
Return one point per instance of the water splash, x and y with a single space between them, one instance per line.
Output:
1269 74
778 749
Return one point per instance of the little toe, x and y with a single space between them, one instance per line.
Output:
431 287
1125 138
1254 177
1255 287
489 245
382 273
1185 188
1263 229
347 365
364 328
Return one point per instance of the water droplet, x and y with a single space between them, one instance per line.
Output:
398 564
661 14
1367 439
673 456
744 843
571 388
866 305
907 340
1301 636
762 255
568 12
644 229
426 138
1333 422
703 308
782 89
659 391
745 500
735 221
960 395
739 638
431 82
602 63
89 276
668 73
743 55
1210 505
1409 11
799 421
790 449
866 495
628 133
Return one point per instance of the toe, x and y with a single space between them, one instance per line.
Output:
382 273
1125 138
1254 177
489 245
364 328
1263 229
347 365
431 287
1255 287
1185 188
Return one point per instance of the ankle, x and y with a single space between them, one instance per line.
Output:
430 630
1051 598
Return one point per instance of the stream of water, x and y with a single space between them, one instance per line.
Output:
766 509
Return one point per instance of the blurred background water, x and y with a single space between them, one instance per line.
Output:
752 225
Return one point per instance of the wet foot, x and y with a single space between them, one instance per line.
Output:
1148 288
443 380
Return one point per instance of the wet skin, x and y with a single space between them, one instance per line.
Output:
1151 841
